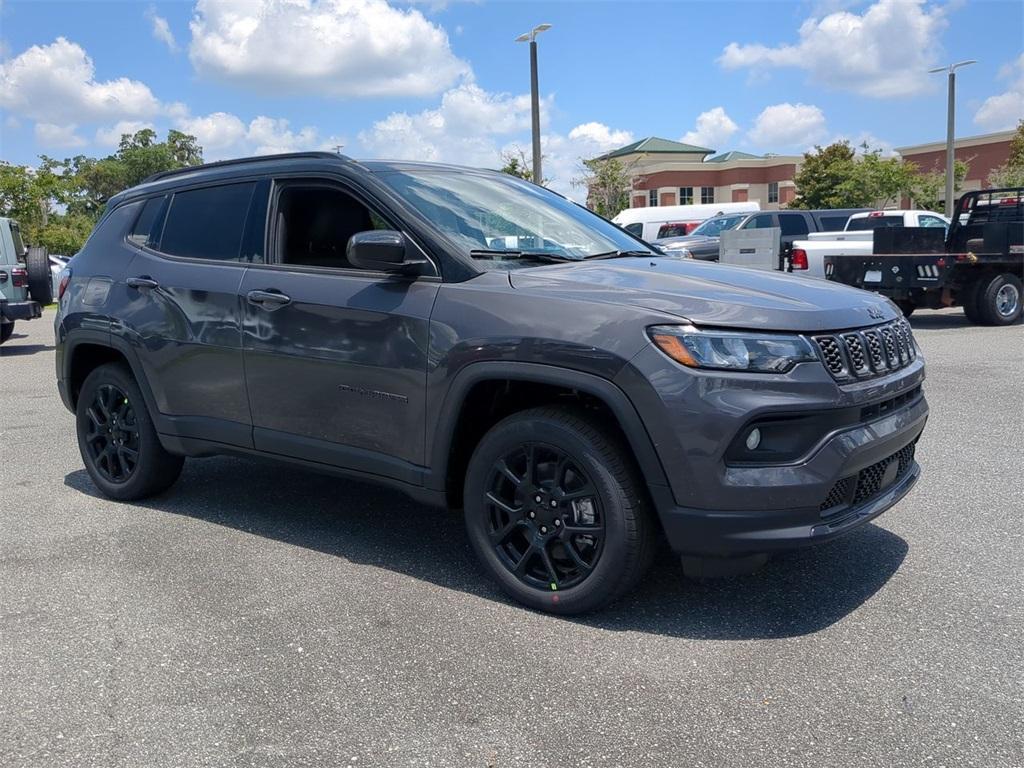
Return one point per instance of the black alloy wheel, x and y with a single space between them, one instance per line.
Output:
556 511
112 437
544 517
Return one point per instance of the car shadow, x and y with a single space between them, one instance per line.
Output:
796 593
18 350
939 321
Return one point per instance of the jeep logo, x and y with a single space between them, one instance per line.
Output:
876 313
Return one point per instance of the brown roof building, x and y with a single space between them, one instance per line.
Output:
665 172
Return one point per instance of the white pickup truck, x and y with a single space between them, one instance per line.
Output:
858 238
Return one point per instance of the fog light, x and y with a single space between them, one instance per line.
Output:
753 439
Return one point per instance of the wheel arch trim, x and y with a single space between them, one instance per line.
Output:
607 392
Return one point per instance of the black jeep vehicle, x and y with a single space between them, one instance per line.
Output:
482 343
979 264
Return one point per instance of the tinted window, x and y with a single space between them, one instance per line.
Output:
636 229
672 230
793 224
764 221
207 223
19 246
874 222
714 227
147 230
314 225
832 223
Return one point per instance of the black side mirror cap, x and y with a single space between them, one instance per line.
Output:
383 250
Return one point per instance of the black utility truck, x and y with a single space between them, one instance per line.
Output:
979 265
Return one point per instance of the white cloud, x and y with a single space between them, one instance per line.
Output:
1002 111
111 137
223 135
474 127
63 136
162 30
214 132
330 47
56 84
600 137
714 129
462 129
788 126
884 52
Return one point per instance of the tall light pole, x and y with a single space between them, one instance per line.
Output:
531 38
950 128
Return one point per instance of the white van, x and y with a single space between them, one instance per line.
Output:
647 223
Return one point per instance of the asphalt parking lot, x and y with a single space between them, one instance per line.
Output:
260 616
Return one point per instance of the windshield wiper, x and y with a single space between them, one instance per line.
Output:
622 254
526 255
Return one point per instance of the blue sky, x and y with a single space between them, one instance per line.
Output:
444 80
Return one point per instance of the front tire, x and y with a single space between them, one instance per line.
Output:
555 511
116 437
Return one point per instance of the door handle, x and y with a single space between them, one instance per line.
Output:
269 300
142 283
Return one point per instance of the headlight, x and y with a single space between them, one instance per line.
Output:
679 251
732 350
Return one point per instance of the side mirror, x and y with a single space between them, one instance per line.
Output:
382 250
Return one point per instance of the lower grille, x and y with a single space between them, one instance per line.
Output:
866 484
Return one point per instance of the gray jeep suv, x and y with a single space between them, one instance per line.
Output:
482 343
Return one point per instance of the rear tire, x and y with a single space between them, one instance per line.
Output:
999 300
5 331
590 538
118 442
969 300
40 279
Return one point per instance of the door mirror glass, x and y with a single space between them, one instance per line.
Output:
382 250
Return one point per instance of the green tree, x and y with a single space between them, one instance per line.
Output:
827 178
58 202
1011 173
607 182
928 190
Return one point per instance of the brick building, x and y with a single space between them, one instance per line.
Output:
668 172
983 154
672 173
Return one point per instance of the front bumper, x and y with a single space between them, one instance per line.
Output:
20 310
712 508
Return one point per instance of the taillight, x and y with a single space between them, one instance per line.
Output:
62 286
798 258
19 277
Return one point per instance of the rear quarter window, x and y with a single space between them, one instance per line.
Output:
146 230
874 222
207 223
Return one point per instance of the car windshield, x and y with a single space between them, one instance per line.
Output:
714 227
505 222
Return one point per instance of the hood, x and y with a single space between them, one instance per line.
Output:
712 294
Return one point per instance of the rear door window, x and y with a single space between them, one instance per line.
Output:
762 221
793 224
832 223
208 223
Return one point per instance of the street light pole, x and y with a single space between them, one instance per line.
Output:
531 37
951 128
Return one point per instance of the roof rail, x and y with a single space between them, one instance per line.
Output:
244 160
